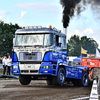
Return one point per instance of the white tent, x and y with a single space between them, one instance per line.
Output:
97 54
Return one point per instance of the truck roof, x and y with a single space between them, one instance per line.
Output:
39 30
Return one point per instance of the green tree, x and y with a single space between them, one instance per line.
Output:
75 43
6 37
89 44
74 46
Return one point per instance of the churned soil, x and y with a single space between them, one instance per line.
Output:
11 89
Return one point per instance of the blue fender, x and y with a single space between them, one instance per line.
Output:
58 63
15 70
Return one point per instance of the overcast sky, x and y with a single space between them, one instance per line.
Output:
49 12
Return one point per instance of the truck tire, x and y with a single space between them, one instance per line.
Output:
24 80
84 80
60 79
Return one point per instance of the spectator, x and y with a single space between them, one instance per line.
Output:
9 61
2 59
4 64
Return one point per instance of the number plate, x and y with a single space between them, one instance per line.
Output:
30 66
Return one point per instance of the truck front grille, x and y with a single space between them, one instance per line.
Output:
32 62
24 71
29 71
33 71
26 56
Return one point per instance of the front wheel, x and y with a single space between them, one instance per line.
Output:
60 79
84 80
24 80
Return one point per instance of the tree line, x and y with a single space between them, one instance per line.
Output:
6 37
74 44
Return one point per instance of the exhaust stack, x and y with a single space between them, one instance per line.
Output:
65 32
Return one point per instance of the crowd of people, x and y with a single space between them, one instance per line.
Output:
6 64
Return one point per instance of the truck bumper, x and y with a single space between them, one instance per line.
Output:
46 68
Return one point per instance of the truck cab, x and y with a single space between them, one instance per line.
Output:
37 50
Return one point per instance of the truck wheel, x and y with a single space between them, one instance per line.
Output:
84 80
24 80
60 79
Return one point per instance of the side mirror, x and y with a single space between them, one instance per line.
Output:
59 44
60 41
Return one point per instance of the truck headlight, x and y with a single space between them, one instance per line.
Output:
14 67
46 67
14 71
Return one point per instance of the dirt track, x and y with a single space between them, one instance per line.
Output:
11 89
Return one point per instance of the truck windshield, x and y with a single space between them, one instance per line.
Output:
33 40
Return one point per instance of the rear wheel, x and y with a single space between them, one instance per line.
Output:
84 80
60 79
24 80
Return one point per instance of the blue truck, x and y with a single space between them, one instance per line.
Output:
40 53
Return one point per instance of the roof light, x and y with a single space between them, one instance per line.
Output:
56 29
50 26
23 27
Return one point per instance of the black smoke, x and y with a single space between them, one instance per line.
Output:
70 6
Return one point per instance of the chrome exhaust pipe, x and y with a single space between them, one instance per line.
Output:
65 32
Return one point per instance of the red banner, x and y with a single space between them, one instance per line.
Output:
90 62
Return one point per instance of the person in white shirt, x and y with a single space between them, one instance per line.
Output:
4 64
9 62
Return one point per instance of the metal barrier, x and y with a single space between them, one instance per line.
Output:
94 91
